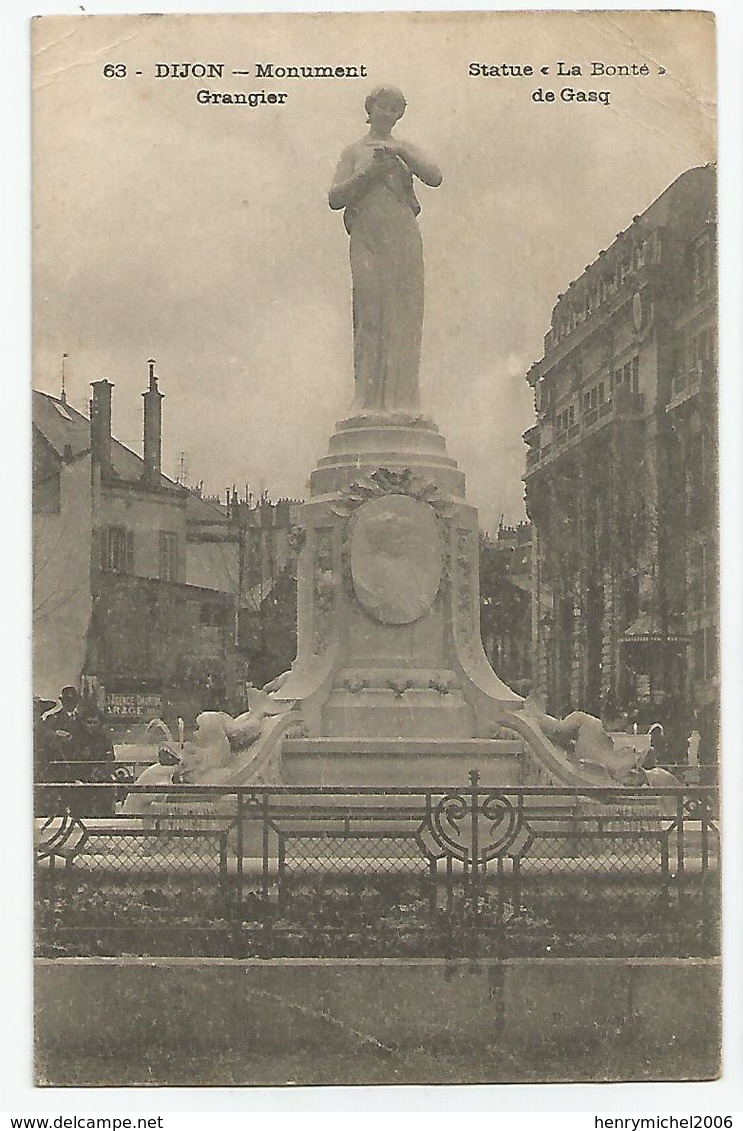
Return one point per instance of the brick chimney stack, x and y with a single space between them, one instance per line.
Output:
100 424
152 443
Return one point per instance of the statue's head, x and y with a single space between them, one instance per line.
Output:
387 100
210 729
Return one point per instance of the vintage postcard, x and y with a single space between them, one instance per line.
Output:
375 610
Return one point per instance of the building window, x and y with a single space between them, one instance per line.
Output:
710 650
699 653
703 266
565 419
631 598
117 550
705 653
168 556
697 586
636 375
710 578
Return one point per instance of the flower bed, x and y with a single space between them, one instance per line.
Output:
382 918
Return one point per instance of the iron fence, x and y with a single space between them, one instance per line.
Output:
368 871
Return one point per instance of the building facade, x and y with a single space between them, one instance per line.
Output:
621 474
116 544
505 603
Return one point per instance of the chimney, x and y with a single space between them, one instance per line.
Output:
100 424
152 442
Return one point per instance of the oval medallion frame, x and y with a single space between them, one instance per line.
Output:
396 558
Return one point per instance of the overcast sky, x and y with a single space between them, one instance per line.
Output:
201 235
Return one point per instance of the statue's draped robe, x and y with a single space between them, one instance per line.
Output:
387 272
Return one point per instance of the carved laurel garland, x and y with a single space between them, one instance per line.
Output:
323 586
387 481
465 602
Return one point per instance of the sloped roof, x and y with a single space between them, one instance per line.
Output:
67 431
129 468
201 510
63 427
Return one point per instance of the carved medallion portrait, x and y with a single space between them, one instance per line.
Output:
396 558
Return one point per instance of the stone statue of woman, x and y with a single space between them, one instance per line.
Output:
374 184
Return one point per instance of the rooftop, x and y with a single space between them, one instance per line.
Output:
67 433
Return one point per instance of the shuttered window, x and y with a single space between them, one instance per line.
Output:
117 549
168 555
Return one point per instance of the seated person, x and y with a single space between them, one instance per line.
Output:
94 762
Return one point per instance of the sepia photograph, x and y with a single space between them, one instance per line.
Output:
376 550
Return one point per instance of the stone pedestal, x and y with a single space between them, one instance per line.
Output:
402 762
388 596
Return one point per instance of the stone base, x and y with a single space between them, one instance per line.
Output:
403 762
379 710
388 608
367 443
388 594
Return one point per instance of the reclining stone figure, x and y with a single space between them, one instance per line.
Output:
584 739
219 739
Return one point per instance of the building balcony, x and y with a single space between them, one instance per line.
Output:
688 384
623 406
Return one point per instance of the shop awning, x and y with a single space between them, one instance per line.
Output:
647 629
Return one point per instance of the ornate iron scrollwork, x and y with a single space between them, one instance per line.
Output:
695 808
447 817
507 826
473 827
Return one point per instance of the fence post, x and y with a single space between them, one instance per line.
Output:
53 895
433 865
704 818
240 848
680 842
474 776
265 874
281 866
474 908
710 900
